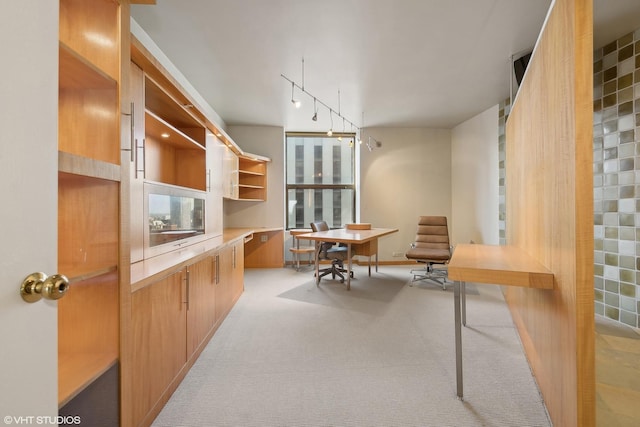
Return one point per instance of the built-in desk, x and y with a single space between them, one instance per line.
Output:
150 269
498 265
264 246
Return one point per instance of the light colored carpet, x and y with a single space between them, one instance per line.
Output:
382 354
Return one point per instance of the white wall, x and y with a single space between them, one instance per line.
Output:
29 168
409 176
265 141
474 179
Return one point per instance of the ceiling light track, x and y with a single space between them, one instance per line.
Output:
316 100
372 143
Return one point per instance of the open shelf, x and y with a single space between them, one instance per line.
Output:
75 72
169 110
163 131
88 331
252 178
91 29
80 370
88 113
87 224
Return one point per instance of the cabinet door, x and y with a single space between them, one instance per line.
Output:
238 270
215 160
224 293
158 328
201 307
230 174
136 164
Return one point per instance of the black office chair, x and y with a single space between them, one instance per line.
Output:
330 251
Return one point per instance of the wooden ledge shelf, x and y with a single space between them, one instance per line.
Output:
80 74
78 370
500 265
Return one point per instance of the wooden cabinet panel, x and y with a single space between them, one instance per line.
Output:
214 211
201 313
230 174
265 250
223 291
237 276
136 166
158 329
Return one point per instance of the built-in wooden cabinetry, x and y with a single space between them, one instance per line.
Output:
89 114
252 179
245 176
230 174
134 321
182 292
173 317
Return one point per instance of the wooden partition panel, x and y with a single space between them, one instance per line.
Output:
549 200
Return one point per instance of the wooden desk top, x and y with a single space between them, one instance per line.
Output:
342 235
146 271
500 265
297 231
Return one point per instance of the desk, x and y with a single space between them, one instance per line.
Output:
350 238
498 265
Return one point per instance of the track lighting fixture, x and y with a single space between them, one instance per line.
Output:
371 144
315 111
293 100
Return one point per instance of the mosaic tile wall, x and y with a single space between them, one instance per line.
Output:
616 157
616 143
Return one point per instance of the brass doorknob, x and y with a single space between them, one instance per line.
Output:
37 285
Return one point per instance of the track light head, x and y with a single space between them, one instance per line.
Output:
294 101
330 132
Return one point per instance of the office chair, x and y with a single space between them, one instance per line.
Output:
329 251
431 248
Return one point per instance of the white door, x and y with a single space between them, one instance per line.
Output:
28 208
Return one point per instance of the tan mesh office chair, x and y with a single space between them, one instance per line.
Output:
431 248
331 251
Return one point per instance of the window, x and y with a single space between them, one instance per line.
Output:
320 179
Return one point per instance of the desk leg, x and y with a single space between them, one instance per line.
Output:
349 266
464 303
458 332
376 261
317 266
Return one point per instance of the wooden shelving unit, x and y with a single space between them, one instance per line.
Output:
175 141
252 178
88 192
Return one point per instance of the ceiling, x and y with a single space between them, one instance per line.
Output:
410 63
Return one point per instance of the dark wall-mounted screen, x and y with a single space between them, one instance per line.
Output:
173 217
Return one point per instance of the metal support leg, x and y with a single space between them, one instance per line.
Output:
349 266
318 243
458 332
464 303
